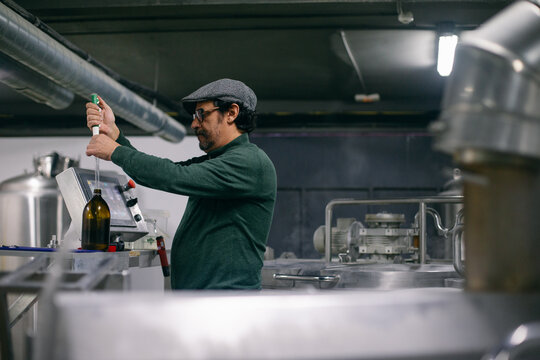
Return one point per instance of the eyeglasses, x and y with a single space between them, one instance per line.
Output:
200 114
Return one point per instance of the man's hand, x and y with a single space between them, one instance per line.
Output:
103 116
101 146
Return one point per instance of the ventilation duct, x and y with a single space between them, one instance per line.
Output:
30 84
28 45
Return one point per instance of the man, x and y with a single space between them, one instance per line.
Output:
221 240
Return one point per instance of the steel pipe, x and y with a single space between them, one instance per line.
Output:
422 233
457 241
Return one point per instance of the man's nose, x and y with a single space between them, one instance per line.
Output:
195 124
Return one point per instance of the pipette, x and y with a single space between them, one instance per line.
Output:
95 131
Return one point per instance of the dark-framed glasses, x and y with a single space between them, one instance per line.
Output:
200 114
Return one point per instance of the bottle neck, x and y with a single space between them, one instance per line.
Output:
97 191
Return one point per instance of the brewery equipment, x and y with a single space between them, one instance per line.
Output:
490 123
31 206
381 254
398 324
77 186
380 240
32 212
383 239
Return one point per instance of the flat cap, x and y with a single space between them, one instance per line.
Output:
223 89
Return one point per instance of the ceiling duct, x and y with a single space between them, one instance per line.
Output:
31 84
26 44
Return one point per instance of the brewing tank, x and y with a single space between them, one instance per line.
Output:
31 206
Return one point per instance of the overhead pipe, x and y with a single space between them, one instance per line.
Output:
133 86
26 44
33 85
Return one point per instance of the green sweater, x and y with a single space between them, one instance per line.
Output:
221 240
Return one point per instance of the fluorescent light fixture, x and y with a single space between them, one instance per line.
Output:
447 48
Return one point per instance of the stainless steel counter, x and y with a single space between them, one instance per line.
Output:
435 323
83 260
45 272
302 273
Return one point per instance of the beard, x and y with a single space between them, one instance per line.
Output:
205 141
207 137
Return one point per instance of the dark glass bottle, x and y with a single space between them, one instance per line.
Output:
96 224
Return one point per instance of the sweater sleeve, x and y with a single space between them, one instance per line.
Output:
235 174
122 140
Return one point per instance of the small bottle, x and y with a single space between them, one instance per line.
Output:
96 224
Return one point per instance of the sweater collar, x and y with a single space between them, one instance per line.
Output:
240 140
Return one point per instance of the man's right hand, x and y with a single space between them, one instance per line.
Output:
103 116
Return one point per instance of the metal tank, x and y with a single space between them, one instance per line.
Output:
31 211
31 207
490 123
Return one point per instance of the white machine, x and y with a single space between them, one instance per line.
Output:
77 186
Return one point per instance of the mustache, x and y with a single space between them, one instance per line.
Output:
200 132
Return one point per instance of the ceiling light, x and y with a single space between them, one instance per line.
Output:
447 48
518 65
404 17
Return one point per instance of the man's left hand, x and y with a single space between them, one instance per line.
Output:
101 146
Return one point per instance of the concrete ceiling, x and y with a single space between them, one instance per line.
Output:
292 54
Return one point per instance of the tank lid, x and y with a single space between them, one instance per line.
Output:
28 182
53 164
46 168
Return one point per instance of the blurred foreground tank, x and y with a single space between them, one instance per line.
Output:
490 123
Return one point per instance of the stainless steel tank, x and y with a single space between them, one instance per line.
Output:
31 206
490 123
31 211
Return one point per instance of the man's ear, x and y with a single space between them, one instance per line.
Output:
232 113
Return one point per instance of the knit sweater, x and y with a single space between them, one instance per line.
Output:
221 240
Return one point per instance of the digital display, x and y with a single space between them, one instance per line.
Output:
112 194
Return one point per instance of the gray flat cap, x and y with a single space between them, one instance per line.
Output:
223 89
